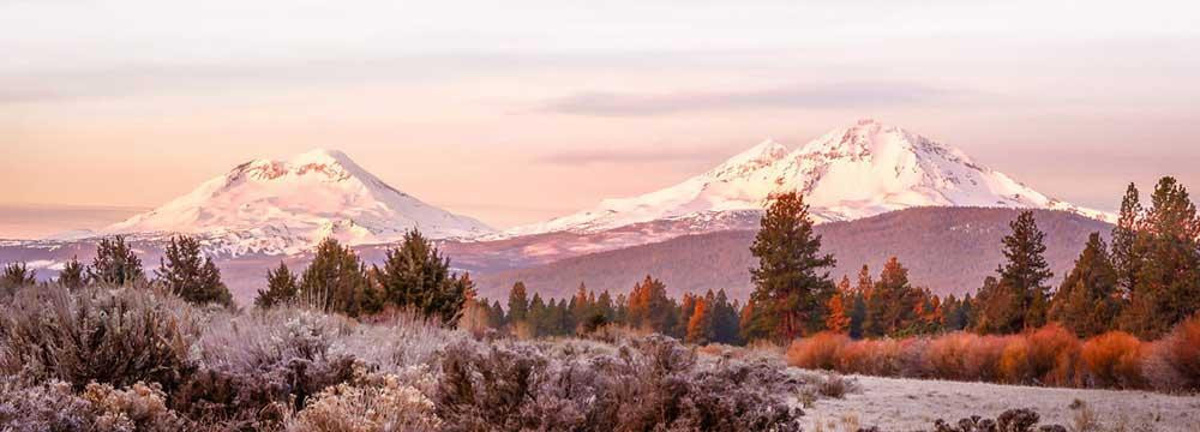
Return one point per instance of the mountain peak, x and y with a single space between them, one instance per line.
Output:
322 156
755 158
296 203
861 170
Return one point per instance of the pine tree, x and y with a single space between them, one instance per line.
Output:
1167 286
415 276
606 307
687 306
496 315
186 272
998 308
1020 300
281 288
518 303
17 274
792 283
894 303
954 314
336 281
73 275
650 308
700 330
115 263
581 307
865 283
1126 256
838 320
538 316
724 320
1087 301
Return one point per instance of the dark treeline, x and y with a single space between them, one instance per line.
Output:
414 276
711 318
183 270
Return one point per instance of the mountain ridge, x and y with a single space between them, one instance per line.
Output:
862 170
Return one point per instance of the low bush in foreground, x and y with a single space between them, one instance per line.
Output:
1050 356
133 358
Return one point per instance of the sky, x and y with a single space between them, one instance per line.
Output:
518 111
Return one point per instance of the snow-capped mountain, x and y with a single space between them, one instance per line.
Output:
271 207
850 173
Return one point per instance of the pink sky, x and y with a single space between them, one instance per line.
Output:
518 115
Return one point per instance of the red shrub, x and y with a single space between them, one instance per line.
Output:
1014 364
1181 351
1054 355
946 355
982 362
821 351
1114 359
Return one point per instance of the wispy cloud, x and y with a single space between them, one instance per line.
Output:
590 157
824 96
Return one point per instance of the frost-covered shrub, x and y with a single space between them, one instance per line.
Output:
651 383
395 343
54 406
48 406
141 407
388 405
255 368
115 336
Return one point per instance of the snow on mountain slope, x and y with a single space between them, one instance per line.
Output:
268 206
850 173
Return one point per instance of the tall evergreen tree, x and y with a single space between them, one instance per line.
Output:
700 329
792 283
954 317
496 315
892 308
186 272
115 263
417 277
724 319
687 306
1021 299
518 303
1087 301
73 275
838 319
336 281
1126 253
1167 286
282 286
538 316
606 307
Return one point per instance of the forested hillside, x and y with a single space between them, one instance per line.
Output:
949 250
